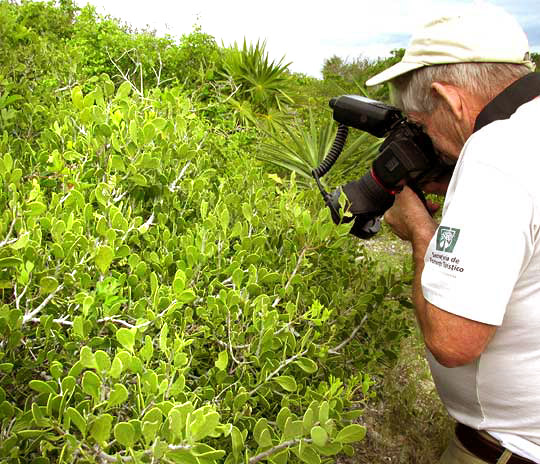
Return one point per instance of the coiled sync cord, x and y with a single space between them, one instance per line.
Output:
333 154
327 163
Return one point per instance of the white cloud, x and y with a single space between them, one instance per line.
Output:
304 31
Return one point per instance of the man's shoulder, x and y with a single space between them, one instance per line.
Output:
508 141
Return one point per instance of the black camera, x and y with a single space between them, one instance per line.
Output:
406 157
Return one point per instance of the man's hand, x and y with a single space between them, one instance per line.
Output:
438 186
409 218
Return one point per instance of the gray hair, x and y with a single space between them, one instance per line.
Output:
412 91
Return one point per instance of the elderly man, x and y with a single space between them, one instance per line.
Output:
468 81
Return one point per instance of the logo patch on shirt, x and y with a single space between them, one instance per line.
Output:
447 238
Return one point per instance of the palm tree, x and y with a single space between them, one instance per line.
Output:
253 78
301 149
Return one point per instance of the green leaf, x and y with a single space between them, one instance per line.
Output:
147 351
154 415
150 430
124 90
102 360
116 368
126 338
41 387
10 261
206 453
77 419
104 257
163 334
21 242
350 434
6 367
177 418
38 416
160 123
91 385
89 99
104 130
78 326
149 382
287 383
309 455
6 410
222 361
203 426
309 419
307 365
76 369
48 284
36 208
68 385
125 434
319 435
139 179
77 97
258 430
224 218
100 429
8 162
187 296
282 417
179 282
293 429
176 423
237 440
118 395
184 456
240 400
247 211
324 411
87 358
149 132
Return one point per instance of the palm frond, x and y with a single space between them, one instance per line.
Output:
299 148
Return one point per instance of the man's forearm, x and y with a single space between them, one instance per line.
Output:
420 243
452 339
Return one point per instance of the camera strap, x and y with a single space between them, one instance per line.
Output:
509 100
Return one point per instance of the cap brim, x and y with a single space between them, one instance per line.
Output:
393 71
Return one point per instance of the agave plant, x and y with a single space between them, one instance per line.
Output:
254 78
299 148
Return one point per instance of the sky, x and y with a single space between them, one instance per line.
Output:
304 32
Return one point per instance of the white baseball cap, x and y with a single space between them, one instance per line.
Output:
479 33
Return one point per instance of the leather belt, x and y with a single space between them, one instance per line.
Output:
487 450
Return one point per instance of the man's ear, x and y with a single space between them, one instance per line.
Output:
452 96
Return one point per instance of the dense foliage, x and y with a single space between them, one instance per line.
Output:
164 296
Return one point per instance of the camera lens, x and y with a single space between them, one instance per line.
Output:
367 196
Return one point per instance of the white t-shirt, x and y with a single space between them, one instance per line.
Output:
484 264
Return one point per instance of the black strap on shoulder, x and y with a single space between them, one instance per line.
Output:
509 100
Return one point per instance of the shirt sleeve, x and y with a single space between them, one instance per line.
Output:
482 245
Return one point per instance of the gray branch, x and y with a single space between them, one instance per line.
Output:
277 449
32 314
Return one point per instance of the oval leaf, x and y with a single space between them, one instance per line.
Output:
104 257
41 387
101 428
118 395
307 365
351 433
126 338
319 435
125 434
287 383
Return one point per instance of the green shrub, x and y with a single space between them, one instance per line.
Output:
163 297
